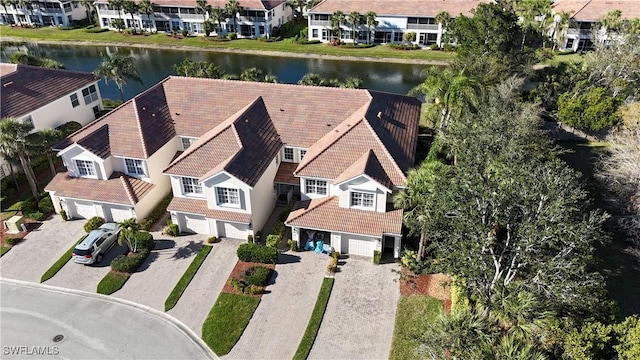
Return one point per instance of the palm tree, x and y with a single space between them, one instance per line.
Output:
336 20
443 18
448 90
146 7
355 19
42 141
129 230
370 21
633 26
203 8
118 68
560 25
13 140
232 8
251 74
612 21
298 7
132 8
217 14
11 160
88 7
117 4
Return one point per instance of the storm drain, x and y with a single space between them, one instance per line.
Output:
58 338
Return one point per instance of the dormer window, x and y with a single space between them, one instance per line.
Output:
186 142
302 154
288 154
85 168
318 187
362 199
134 167
227 196
191 187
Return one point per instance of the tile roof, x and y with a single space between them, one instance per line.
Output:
27 88
399 7
247 4
285 174
369 165
325 214
244 145
199 207
594 10
118 189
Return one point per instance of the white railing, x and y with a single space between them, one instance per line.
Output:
320 22
423 27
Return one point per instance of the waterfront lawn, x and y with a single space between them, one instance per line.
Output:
309 337
186 278
414 314
286 45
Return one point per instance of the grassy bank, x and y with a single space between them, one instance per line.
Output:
304 348
186 278
62 261
111 283
414 314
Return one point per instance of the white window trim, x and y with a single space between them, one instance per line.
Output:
284 155
221 203
90 165
195 184
191 141
315 187
142 167
363 192
301 154
77 100
92 96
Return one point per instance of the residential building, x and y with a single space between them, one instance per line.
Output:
42 13
395 18
47 98
585 16
256 18
228 159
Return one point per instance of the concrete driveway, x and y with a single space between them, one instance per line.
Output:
281 318
202 292
360 315
40 249
160 272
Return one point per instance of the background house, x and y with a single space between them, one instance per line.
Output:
42 13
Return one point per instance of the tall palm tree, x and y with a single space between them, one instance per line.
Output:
251 74
612 21
443 18
370 21
7 153
448 91
42 141
232 8
13 140
146 7
203 8
336 20
88 8
216 15
560 24
355 19
118 68
132 8
633 27
129 230
116 4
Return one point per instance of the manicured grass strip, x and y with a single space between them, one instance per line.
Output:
186 278
4 250
227 320
60 263
112 282
316 319
415 313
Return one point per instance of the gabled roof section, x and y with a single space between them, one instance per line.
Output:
594 10
399 7
27 88
369 165
246 4
243 145
97 142
118 189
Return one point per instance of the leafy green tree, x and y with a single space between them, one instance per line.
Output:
118 24
560 26
313 79
200 69
352 83
208 27
88 7
146 7
612 21
620 77
370 21
251 74
132 8
444 19
231 9
628 334
117 5
216 15
120 69
410 37
592 110
633 26
203 8
13 141
355 19
270 78
335 21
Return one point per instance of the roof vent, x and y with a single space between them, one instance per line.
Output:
7 84
144 108
379 114
177 113
328 124
246 120
153 115
281 109
348 125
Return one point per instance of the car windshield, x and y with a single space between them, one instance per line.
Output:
80 252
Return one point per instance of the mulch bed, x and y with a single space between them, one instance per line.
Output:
434 285
238 272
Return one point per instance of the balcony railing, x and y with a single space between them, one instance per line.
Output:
252 18
581 32
423 27
320 22
108 12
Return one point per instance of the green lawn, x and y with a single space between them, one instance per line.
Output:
227 320
315 321
186 278
111 283
60 263
565 57
4 250
413 316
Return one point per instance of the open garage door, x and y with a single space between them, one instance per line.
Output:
362 246
195 224
232 230
83 209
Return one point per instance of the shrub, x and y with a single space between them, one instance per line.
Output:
309 42
26 206
404 46
95 30
145 240
335 255
157 213
171 230
253 290
46 205
37 216
237 284
293 245
93 223
332 266
257 275
232 36
63 215
69 128
12 240
257 253
273 240
376 257
250 239
434 47
129 264
213 240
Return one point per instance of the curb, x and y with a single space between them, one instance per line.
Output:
207 353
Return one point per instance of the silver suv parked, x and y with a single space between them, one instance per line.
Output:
95 244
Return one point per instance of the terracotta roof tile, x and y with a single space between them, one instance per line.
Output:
247 4
369 165
27 88
399 7
325 214
118 189
285 174
594 10
199 207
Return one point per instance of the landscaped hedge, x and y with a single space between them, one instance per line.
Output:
12 240
257 275
129 264
157 213
45 205
404 46
257 253
111 283
93 223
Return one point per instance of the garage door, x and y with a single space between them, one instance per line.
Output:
83 209
232 230
362 247
116 214
195 224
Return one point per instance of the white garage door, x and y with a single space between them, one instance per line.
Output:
83 209
362 247
195 224
232 230
115 214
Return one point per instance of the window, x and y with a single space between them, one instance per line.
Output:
134 167
316 187
361 199
314 33
85 168
398 36
288 154
227 196
302 153
570 43
96 110
190 186
90 94
74 100
105 22
186 142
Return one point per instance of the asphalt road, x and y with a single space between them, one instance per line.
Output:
92 327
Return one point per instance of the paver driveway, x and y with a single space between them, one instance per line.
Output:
40 249
277 326
360 315
202 292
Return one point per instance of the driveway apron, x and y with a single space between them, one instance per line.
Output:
360 315
40 249
202 292
280 320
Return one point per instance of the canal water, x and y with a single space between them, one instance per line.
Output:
155 64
